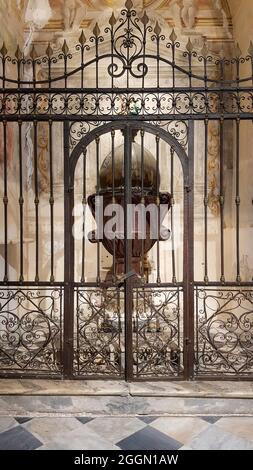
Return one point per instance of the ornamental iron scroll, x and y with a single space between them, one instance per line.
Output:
224 326
38 90
157 332
98 338
31 330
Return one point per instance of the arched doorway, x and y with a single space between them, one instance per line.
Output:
128 294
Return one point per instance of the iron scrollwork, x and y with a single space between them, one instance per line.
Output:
98 332
31 330
40 92
157 332
224 332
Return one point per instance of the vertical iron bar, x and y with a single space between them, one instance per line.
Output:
174 277
206 278
128 42
238 201
61 328
136 330
114 202
189 260
158 60
190 80
143 203
5 201
84 202
21 203
112 54
82 78
36 199
222 199
128 254
158 280
173 49
97 192
196 336
77 292
178 325
65 70
119 330
82 65
69 256
51 199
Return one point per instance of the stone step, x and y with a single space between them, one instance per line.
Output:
115 398
123 406
194 389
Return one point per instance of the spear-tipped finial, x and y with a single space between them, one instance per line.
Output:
205 49
82 38
129 4
18 53
173 36
145 19
65 48
238 51
3 50
96 31
189 46
49 50
112 20
33 53
250 50
157 29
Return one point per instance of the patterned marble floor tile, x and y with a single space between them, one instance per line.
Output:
181 429
239 426
149 439
147 419
84 439
214 438
18 438
211 419
22 419
84 419
7 422
47 429
115 428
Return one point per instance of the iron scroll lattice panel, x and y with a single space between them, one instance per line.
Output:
31 329
163 105
224 338
178 129
212 84
99 332
99 344
158 332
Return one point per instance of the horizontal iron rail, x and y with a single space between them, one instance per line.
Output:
224 284
33 284
128 91
112 118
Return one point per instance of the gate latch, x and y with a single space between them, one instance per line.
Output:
187 341
120 280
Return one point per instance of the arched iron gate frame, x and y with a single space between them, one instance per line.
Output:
204 98
188 300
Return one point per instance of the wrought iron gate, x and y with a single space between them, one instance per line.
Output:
126 125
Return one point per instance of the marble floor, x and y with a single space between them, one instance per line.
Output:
126 433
